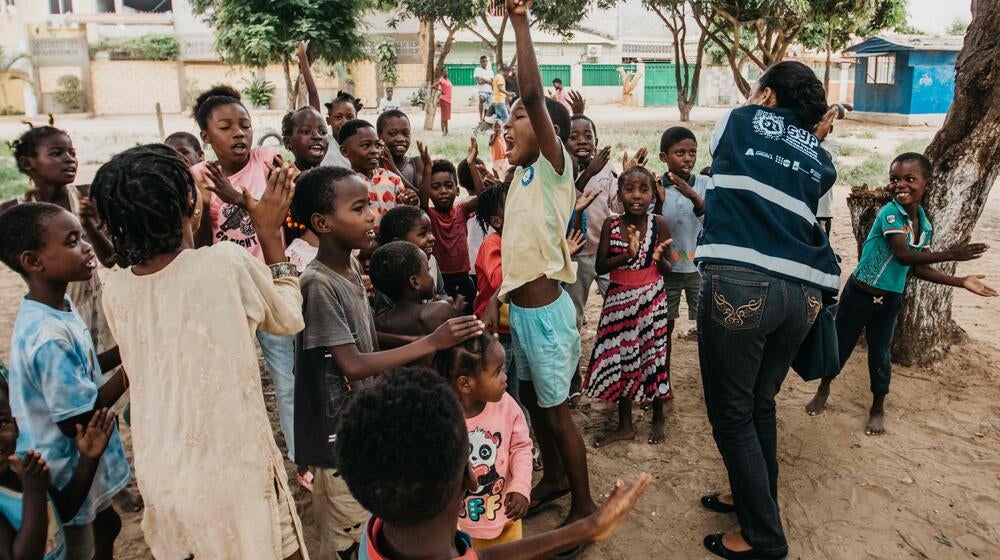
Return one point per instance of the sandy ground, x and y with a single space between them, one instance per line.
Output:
929 488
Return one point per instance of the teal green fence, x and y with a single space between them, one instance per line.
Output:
661 84
604 74
461 74
552 71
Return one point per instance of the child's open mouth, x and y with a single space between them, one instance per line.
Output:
317 149
239 147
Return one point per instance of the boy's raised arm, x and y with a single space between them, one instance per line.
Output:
301 51
530 82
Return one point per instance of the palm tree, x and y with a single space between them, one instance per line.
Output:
8 73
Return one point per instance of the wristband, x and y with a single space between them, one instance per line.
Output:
283 270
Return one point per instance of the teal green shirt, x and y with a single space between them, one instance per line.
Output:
878 267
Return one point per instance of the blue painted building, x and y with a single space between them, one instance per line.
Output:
905 79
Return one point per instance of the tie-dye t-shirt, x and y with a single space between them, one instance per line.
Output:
54 376
685 226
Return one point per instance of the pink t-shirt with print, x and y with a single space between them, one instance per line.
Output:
229 221
383 188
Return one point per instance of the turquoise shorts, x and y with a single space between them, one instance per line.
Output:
546 345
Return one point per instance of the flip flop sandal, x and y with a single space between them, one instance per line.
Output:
545 502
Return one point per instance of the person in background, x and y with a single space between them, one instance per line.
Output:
342 108
388 103
484 79
512 84
445 86
500 94
187 145
561 94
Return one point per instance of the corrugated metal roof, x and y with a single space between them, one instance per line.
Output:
893 43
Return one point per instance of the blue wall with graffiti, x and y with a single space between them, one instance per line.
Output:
924 82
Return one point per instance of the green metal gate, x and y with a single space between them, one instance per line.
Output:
661 84
550 72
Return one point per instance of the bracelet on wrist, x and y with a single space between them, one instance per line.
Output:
283 270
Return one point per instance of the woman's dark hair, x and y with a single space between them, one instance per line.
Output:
216 96
466 358
490 201
288 121
797 88
344 97
26 145
398 222
638 169
925 164
143 195
674 135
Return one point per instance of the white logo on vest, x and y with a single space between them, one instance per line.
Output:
768 125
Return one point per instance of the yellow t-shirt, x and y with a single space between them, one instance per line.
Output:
536 216
499 87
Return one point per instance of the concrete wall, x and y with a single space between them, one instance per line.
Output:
134 87
883 98
933 87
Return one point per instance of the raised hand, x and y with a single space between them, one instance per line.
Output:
974 283
220 186
301 50
598 162
407 197
662 250
455 331
268 214
607 519
88 211
681 185
661 191
385 158
473 152
425 154
577 102
826 125
968 251
576 241
32 471
640 159
93 440
634 242
585 200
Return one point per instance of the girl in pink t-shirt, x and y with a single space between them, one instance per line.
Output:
499 445
225 125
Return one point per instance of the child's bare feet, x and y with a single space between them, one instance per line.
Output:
876 417
818 402
619 434
658 432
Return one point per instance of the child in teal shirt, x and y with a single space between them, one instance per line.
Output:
899 240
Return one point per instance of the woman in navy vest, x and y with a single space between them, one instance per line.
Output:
765 264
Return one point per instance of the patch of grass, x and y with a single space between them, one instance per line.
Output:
872 171
12 182
917 145
848 150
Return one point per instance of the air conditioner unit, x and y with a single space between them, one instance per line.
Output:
593 51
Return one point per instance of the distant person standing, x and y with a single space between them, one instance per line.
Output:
500 94
484 78
512 84
388 103
445 86
561 94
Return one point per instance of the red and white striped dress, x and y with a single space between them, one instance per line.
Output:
631 355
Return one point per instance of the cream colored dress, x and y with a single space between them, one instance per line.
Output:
205 457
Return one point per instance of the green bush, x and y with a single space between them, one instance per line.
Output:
147 47
418 98
70 94
259 91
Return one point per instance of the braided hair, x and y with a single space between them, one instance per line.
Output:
26 145
216 96
143 195
344 97
638 169
490 201
466 358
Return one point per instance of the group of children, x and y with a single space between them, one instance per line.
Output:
383 321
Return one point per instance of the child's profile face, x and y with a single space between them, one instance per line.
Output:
351 221
582 140
229 132
522 146
54 161
191 154
65 256
396 135
362 150
636 194
491 381
907 182
8 431
423 282
680 157
339 113
421 235
309 140
444 190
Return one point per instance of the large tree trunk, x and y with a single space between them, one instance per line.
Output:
289 89
966 158
431 100
829 48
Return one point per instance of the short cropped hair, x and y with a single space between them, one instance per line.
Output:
403 446
315 191
925 164
22 228
674 135
350 128
392 265
398 222
385 116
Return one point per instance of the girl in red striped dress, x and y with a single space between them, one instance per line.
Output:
631 355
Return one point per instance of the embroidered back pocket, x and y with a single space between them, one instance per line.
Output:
738 304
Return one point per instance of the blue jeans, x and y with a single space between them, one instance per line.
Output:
279 355
501 111
750 326
859 310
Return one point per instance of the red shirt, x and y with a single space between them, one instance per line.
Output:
451 238
369 543
489 276
446 87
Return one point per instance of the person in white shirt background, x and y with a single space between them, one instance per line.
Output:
484 78
387 103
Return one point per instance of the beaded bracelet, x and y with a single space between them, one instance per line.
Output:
283 270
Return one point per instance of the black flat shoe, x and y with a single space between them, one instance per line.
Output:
711 501
714 545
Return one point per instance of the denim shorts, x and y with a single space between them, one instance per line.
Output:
546 345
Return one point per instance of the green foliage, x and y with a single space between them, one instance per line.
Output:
259 91
70 93
957 27
418 98
147 47
872 171
386 59
561 16
446 12
255 33
841 21
12 182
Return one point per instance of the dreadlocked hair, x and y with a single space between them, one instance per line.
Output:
216 96
490 201
26 145
465 358
143 195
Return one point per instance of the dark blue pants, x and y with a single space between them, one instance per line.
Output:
876 315
750 325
